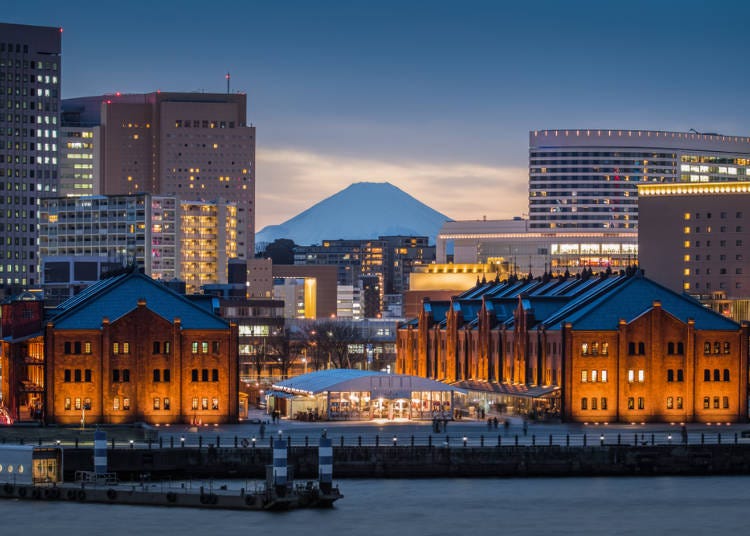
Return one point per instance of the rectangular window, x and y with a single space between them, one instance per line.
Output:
67 348
670 375
194 347
67 376
87 375
716 402
631 403
631 376
126 348
115 375
126 404
593 403
87 404
604 403
670 402
725 401
166 375
214 403
87 347
726 347
167 347
116 403
204 347
584 376
115 348
67 404
204 403
641 402
126 375
77 347
706 402
604 377
679 402
157 375
204 375
194 375
680 375
215 347
77 375
78 404
156 348
157 403
166 404
195 402
214 375
584 403
641 376
594 374
605 349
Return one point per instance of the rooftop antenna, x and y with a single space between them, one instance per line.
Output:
228 77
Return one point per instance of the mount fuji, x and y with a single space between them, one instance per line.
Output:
363 210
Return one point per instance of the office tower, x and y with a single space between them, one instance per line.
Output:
587 179
196 146
29 137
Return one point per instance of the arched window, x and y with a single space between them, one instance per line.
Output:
726 374
706 402
706 375
706 347
584 403
717 347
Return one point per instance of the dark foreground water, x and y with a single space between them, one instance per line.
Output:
602 506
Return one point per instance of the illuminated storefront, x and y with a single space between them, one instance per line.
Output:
362 395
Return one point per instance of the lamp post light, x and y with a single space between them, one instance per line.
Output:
601 440
395 441
669 438
131 443
182 441
253 441
466 440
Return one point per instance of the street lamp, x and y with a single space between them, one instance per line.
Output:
395 441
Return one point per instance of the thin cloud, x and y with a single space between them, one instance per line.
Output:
290 181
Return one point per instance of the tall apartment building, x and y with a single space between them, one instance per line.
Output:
29 136
588 179
197 146
168 237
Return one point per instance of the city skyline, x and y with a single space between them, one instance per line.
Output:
436 98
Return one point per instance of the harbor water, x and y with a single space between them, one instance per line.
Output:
638 506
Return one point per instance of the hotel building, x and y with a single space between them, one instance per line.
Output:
196 146
588 178
30 64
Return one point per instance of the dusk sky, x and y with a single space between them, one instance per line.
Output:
434 97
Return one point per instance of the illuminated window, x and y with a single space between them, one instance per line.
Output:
126 348
126 404
670 402
194 347
640 376
605 348
686 243
706 402
631 376
584 403
157 403
593 403
204 403
87 347
204 347
67 404
686 258
166 404
641 402
716 402
726 347
687 214
593 377
584 376
686 230
631 403
215 403
116 403
604 377
604 403
195 403
679 402
115 348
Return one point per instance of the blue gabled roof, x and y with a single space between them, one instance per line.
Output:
635 297
115 297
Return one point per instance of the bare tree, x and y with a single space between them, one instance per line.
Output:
331 341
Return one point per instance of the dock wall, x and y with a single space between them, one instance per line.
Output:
424 461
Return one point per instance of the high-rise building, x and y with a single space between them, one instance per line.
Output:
196 146
588 178
80 157
167 237
29 137
695 238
